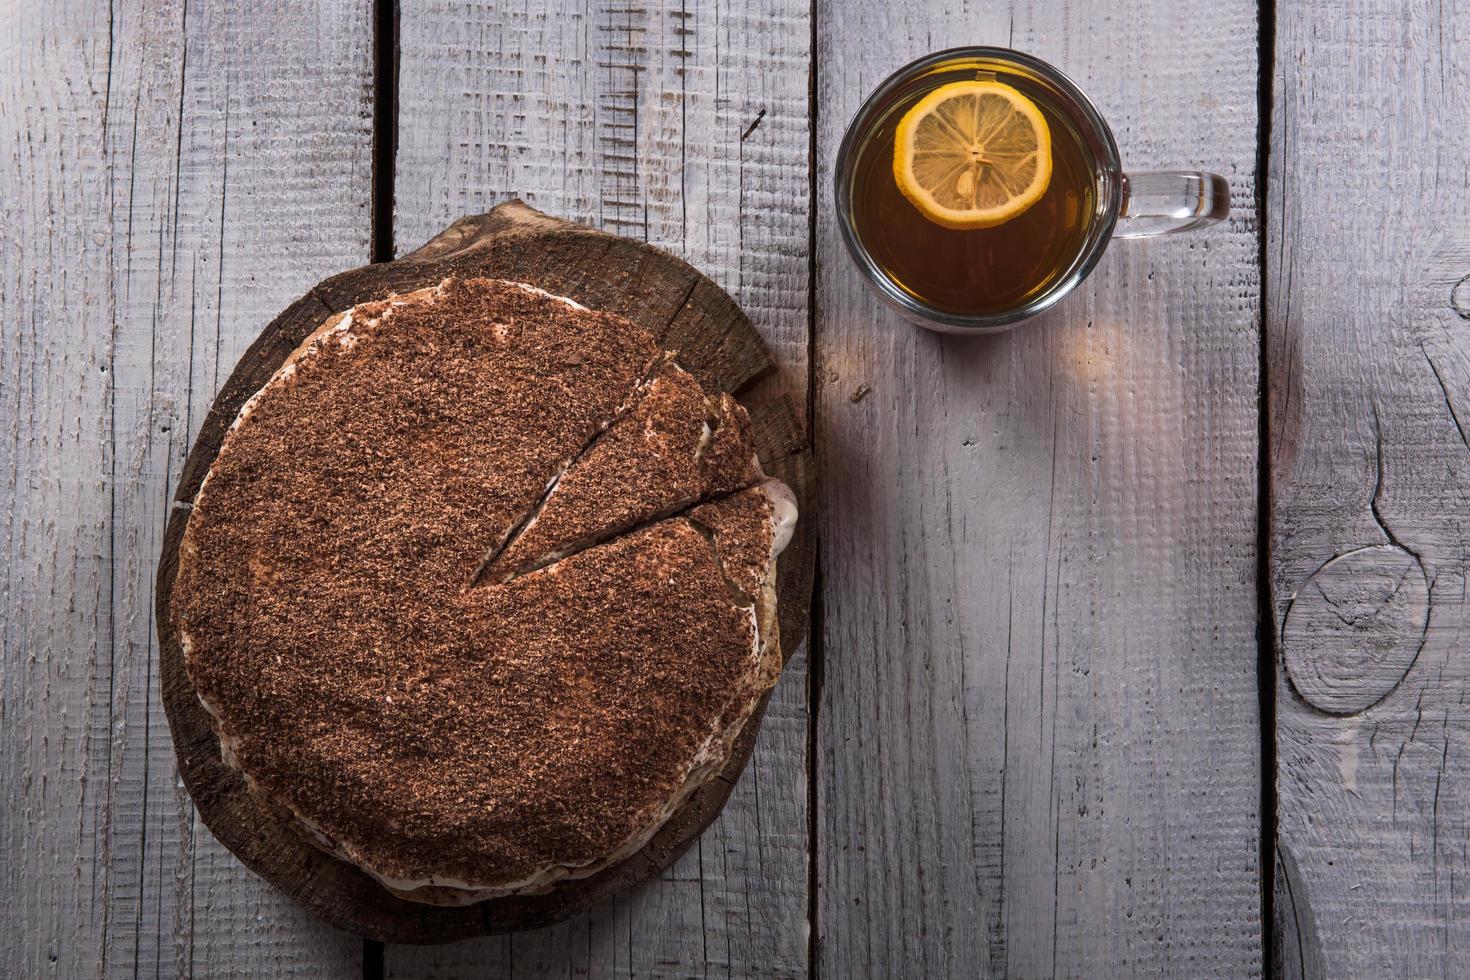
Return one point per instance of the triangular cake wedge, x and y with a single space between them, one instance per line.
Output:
675 447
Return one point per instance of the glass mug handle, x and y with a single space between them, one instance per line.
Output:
1159 202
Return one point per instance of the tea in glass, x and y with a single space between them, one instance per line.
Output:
977 270
978 186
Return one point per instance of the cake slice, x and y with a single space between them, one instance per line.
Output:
677 446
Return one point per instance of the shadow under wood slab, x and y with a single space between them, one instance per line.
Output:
717 343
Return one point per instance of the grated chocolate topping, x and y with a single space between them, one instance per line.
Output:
432 730
675 447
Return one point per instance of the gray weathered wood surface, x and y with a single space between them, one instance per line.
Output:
1037 740
167 172
1368 297
1030 742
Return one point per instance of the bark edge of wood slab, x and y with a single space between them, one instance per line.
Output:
717 343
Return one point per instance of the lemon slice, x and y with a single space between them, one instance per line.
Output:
972 154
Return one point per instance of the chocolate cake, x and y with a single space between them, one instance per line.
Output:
480 588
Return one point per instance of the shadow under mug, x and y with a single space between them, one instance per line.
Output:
1136 205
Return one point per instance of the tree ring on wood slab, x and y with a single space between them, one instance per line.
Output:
1355 627
685 311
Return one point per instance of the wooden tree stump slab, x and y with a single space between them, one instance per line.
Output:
716 343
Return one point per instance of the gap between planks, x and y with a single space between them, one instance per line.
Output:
385 143
1266 619
816 651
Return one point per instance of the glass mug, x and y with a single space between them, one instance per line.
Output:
1056 242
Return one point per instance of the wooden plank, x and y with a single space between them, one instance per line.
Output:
174 172
1037 732
1369 370
686 124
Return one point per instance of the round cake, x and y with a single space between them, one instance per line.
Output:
480 587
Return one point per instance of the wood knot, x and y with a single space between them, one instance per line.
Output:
1460 298
1355 626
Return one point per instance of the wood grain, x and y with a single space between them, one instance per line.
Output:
1369 370
147 155
1051 778
654 290
1037 733
685 124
